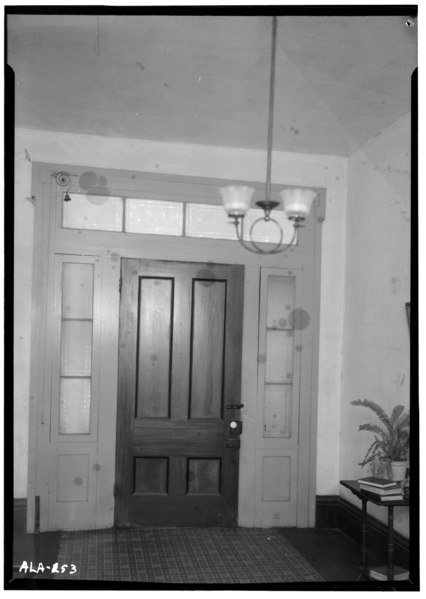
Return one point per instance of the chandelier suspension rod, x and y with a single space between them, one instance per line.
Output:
271 109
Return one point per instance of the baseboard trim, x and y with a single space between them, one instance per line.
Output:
333 511
20 515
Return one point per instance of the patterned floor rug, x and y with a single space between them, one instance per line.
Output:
184 555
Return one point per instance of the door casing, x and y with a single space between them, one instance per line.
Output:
106 248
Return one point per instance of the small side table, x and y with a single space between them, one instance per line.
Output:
353 486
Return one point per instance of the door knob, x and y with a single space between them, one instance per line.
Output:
236 427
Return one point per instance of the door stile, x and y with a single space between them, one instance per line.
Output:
126 385
232 386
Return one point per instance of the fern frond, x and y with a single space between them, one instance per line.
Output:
371 405
372 428
396 413
370 455
404 422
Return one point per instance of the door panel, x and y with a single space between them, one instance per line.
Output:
179 369
280 342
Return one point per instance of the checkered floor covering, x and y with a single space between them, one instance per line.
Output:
184 555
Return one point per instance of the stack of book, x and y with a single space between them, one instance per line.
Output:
381 489
381 573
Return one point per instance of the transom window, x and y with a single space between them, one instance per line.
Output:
163 217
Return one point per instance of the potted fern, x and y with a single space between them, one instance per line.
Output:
388 454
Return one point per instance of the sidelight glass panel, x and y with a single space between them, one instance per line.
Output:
93 211
77 290
155 217
76 348
279 356
277 410
280 302
279 350
74 406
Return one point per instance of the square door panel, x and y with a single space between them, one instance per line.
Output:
151 476
204 476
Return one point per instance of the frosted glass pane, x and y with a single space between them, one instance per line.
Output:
277 414
268 232
279 356
151 216
207 220
86 211
77 290
76 348
280 302
74 407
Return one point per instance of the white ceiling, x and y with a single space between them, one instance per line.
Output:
204 79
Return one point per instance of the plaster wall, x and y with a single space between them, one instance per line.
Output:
23 251
376 337
234 164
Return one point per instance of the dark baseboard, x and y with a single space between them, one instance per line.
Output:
333 511
327 511
20 515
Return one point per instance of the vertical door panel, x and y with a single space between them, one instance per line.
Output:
75 393
279 390
208 333
154 343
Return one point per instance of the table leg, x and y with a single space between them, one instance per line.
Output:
390 542
364 535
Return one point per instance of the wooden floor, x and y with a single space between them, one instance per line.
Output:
334 555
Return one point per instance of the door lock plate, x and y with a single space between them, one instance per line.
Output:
235 427
233 443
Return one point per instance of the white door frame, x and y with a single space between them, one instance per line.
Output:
108 248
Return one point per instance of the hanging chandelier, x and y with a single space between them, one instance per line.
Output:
297 202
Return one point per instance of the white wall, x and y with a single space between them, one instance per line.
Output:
242 164
24 223
376 336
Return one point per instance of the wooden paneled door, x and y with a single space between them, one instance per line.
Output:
178 431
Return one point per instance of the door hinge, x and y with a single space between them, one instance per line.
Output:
115 489
120 284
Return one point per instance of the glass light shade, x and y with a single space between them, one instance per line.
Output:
236 199
297 202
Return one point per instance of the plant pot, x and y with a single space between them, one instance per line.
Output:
398 470
380 468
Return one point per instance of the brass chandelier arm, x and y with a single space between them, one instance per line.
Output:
253 247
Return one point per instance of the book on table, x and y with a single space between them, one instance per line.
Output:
397 489
379 483
396 496
381 573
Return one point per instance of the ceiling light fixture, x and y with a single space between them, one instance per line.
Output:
297 202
